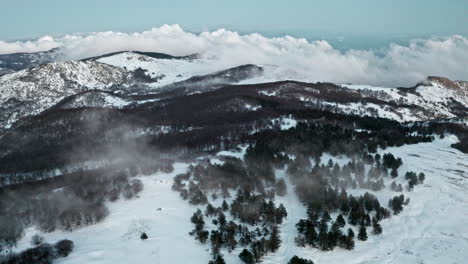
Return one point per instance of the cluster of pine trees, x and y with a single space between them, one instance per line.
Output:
320 186
319 231
250 210
414 179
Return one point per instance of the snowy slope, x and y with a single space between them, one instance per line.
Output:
167 71
31 91
94 99
430 95
431 229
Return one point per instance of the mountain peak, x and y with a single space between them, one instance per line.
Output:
446 82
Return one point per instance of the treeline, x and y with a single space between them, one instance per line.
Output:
43 253
76 200
44 142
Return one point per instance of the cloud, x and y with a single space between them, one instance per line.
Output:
293 58
42 44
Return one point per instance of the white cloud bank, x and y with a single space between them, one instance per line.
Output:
296 58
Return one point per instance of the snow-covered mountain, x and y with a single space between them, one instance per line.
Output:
432 99
164 71
31 91
91 145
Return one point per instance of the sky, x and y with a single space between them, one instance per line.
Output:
23 19
391 42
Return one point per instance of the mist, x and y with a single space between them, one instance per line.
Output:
290 58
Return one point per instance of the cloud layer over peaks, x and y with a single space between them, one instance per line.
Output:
289 58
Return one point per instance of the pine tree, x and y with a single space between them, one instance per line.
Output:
349 242
280 213
203 236
340 221
225 206
216 241
274 242
210 210
362 235
323 240
376 227
421 177
367 220
325 217
247 257
221 219
298 260
393 186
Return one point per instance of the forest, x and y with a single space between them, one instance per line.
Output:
250 218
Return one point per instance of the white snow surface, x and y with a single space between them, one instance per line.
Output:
433 97
166 70
431 229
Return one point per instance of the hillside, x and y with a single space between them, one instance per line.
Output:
118 152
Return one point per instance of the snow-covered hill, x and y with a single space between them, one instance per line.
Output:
429 100
434 98
432 229
131 109
31 91
165 71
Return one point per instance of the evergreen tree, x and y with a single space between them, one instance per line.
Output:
280 213
340 221
203 235
298 260
210 210
221 219
274 242
393 186
247 257
421 177
362 235
376 227
349 242
216 242
367 220
396 203
325 217
310 234
225 206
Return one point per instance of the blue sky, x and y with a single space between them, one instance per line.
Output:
21 19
